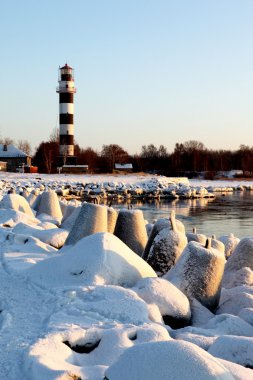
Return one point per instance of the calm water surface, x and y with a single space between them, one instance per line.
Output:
219 216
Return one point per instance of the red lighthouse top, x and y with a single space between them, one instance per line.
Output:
66 66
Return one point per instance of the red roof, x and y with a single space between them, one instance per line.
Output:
66 66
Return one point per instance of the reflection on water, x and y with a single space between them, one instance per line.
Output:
219 216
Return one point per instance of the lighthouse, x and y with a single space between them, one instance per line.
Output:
66 90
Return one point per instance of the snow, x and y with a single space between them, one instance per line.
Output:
11 151
176 359
96 259
233 300
52 356
200 315
234 349
246 314
16 202
169 299
10 217
242 276
55 237
239 372
94 308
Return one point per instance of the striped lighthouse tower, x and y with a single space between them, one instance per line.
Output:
66 90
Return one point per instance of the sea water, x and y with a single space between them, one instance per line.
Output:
232 212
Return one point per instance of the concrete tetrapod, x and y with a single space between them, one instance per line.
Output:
198 273
166 248
230 242
130 228
49 204
16 202
242 256
217 244
112 216
194 236
91 219
158 226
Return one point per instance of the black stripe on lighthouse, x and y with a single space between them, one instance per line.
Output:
66 140
66 118
66 97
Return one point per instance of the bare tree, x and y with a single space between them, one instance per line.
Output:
54 136
162 151
193 145
25 146
6 140
114 153
149 151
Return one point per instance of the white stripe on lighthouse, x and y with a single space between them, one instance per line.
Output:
67 129
66 108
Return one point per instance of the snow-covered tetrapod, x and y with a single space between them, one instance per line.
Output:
198 273
194 236
130 228
25 194
217 244
242 256
112 216
91 219
16 202
230 242
166 247
49 204
158 226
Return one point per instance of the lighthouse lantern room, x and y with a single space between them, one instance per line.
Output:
66 90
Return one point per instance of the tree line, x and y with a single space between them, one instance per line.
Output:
188 158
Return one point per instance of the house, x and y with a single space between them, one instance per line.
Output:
3 166
124 167
74 169
14 157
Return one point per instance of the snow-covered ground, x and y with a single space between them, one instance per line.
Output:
89 307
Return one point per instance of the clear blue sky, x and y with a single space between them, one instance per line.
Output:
146 71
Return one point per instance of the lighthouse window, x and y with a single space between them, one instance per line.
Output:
66 77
